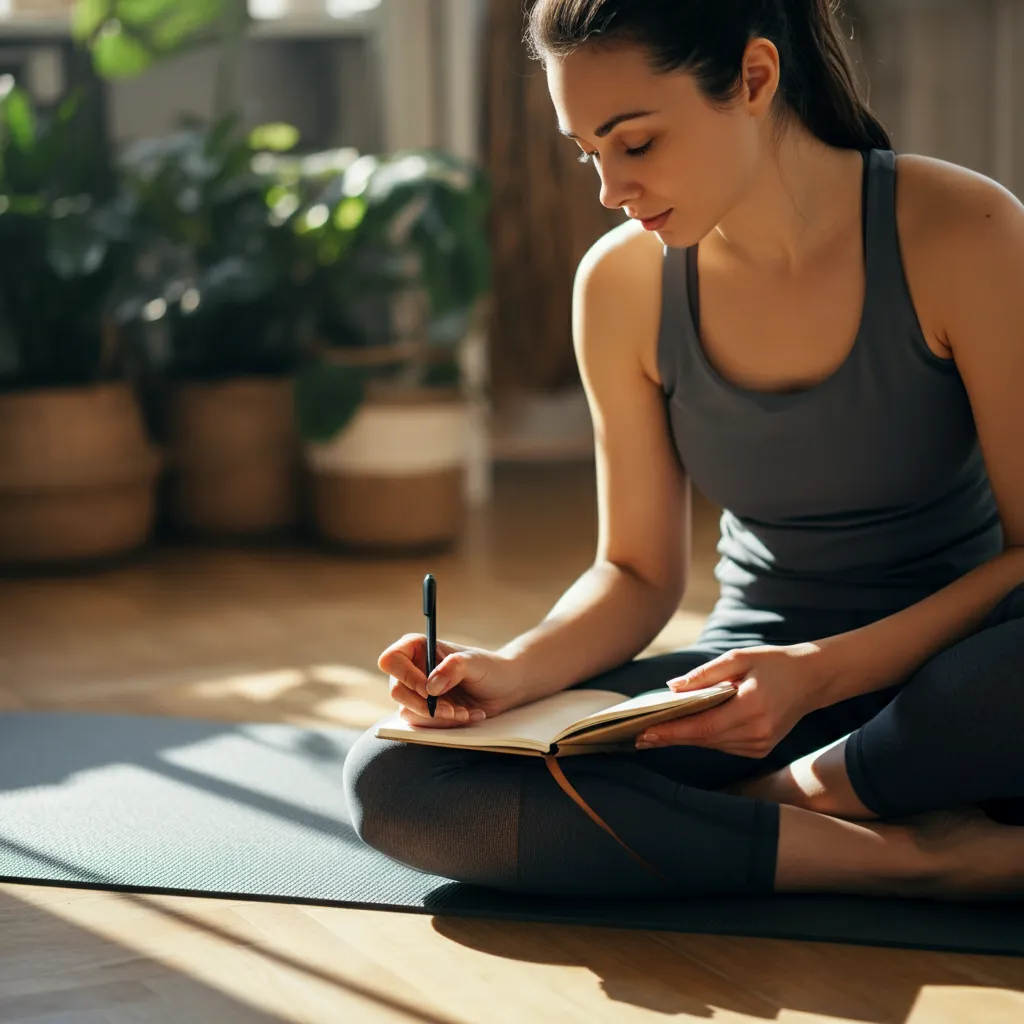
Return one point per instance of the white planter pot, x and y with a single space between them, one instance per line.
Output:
395 476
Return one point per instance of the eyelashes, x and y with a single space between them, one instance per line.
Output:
640 150
585 158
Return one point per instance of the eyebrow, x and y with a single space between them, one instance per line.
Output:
611 123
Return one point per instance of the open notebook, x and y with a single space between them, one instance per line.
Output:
570 722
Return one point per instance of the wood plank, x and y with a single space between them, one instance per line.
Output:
292 634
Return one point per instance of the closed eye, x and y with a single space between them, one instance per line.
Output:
585 158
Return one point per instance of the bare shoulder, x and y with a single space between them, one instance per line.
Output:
947 199
619 281
955 225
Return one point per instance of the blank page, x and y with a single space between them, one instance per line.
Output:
532 726
656 701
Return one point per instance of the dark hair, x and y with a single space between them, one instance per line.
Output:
709 37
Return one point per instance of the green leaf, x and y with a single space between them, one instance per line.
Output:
118 55
21 119
75 248
69 107
278 137
89 16
143 13
327 397
26 205
187 19
349 213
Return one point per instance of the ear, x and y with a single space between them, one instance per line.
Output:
761 71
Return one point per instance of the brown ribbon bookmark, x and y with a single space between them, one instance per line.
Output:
556 770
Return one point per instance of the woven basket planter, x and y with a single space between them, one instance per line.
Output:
77 475
234 457
394 478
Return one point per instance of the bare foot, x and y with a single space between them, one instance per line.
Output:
974 856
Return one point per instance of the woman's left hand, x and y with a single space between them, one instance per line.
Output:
775 688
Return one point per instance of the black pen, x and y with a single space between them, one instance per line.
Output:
430 611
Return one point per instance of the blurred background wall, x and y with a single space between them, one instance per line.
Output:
941 73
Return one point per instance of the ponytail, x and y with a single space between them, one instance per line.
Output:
818 80
709 38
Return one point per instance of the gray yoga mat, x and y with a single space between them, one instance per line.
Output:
154 804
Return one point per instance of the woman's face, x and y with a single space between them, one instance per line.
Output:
680 157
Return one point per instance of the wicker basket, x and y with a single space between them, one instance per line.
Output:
77 475
234 457
394 478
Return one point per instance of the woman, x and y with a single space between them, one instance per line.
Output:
844 383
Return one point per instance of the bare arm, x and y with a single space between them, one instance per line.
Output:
621 603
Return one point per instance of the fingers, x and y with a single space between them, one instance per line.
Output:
406 658
715 723
444 718
447 712
400 666
452 670
723 669
728 727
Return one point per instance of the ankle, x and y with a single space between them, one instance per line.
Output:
967 853
918 865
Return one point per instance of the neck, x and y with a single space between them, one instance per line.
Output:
798 199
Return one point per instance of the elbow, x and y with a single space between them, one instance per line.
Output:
668 584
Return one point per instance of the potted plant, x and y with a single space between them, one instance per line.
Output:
210 288
205 286
379 396
77 468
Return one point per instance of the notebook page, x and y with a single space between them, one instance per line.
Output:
532 726
644 704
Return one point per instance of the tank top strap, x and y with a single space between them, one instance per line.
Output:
675 332
889 308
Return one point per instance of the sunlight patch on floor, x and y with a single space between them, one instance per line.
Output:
960 1002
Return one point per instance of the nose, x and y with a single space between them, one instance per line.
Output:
616 193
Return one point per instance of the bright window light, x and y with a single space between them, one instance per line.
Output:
267 10
346 8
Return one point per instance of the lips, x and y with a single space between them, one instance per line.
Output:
655 222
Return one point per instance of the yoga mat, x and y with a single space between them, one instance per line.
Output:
157 804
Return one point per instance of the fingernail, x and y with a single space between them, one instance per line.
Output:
650 737
435 686
643 746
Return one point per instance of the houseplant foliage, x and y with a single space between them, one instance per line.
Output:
77 471
127 37
386 229
395 259
64 231
212 290
209 263
207 291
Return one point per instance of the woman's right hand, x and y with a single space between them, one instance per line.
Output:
476 683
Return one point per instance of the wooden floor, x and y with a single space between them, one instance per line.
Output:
291 634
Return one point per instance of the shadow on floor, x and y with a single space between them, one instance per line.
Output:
59 970
705 975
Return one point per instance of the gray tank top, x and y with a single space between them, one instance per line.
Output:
867 490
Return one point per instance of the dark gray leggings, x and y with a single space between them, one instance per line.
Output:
949 736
